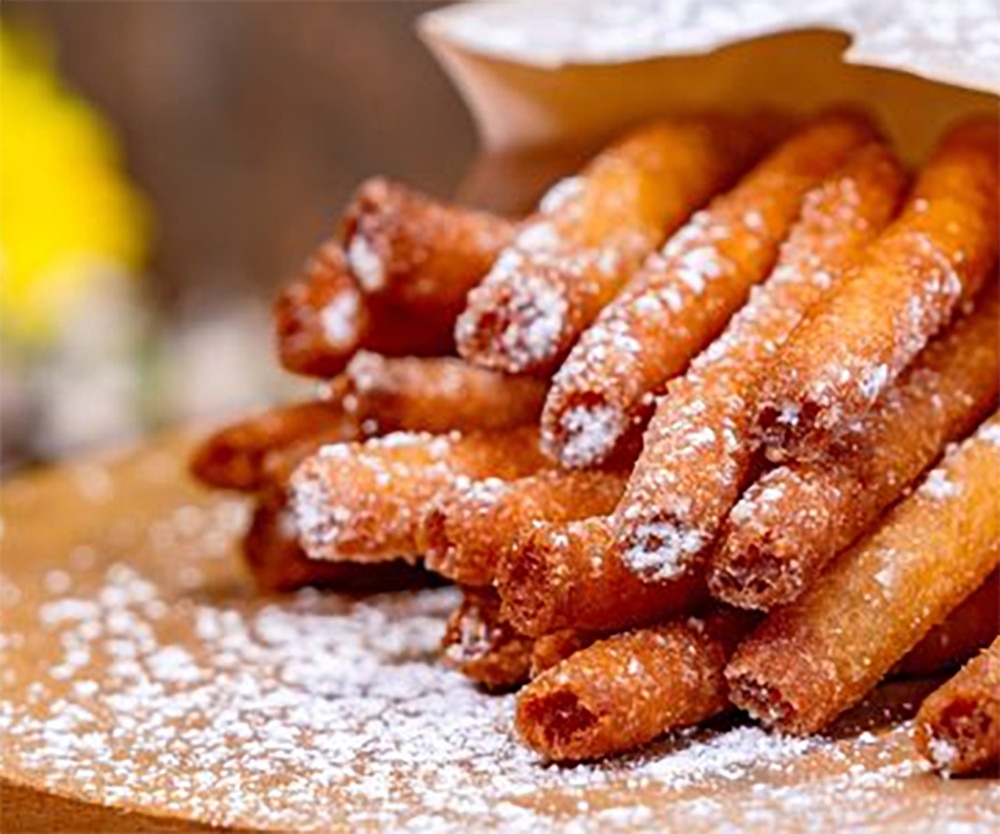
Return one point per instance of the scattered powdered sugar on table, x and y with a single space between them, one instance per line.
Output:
138 671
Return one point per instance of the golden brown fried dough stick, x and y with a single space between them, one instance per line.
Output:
811 660
698 450
958 726
684 295
552 649
367 501
970 627
622 692
417 254
279 565
396 284
482 646
939 252
797 517
233 457
470 532
593 231
320 318
569 576
437 394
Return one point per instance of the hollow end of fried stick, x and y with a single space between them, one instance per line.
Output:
788 526
368 501
958 726
234 457
481 645
775 542
470 532
569 576
436 394
584 428
626 690
969 628
421 254
935 255
816 657
321 318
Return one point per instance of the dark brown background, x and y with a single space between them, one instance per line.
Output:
248 123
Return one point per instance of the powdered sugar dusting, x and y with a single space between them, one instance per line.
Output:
366 264
340 319
990 433
291 704
156 680
662 550
938 487
590 433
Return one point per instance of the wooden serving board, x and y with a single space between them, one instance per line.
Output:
146 687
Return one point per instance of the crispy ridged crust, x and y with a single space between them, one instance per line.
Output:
958 726
320 318
481 645
234 457
796 518
939 252
624 691
468 533
437 394
813 659
367 501
593 231
698 451
568 576
684 295
970 627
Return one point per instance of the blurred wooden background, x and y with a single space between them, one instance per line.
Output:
248 123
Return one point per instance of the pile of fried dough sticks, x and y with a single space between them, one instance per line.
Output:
713 427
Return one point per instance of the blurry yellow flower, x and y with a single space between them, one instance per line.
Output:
67 213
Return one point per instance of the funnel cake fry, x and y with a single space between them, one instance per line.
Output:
470 532
395 285
684 295
419 254
569 576
698 450
970 627
958 726
437 394
278 565
814 658
939 252
796 518
367 501
481 645
622 692
233 457
320 318
592 231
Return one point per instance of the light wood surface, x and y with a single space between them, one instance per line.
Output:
865 774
